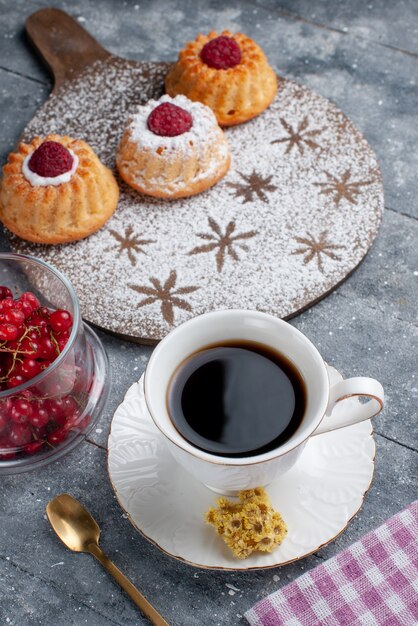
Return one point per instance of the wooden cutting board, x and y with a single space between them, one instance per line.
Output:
294 216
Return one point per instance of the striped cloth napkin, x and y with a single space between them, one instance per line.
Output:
374 582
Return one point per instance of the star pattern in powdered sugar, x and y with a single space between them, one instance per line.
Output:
313 249
225 243
166 294
129 242
254 185
343 187
300 137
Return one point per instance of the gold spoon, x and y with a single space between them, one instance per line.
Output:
79 531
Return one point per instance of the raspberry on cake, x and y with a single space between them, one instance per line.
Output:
56 190
51 159
172 148
169 120
227 72
221 53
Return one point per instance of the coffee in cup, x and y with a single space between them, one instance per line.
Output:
258 456
236 399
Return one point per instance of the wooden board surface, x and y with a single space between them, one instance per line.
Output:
295 215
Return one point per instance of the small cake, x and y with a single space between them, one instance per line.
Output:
229 73
56 190
249 525
172 148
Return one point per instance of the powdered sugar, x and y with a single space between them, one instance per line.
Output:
296 213
43 181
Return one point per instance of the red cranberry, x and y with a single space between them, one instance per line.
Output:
48 349
54 407
31 347
40 323
221 53
40 433
19 434
33 447
51 159
28 296
7 303
69 408
60 320
39 417
57 436
69 405
20 332
30 368
8 332
72 421
14 316
15 381
44 329
25 307
5 292
169 120
62 343
21 410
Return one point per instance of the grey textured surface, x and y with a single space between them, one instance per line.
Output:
389 24
364 57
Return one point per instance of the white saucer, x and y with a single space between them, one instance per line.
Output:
317 497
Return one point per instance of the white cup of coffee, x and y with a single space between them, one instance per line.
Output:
232 469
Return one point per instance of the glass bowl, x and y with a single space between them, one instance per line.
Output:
71 391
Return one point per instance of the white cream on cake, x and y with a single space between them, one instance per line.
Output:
43 181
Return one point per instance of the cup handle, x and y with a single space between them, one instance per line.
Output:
359 386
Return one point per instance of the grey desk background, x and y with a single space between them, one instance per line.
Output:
364 56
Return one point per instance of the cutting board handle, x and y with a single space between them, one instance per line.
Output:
64 45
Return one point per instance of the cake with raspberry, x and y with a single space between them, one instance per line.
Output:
56 190
172 148
227 72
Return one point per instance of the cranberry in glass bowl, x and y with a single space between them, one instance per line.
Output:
54 372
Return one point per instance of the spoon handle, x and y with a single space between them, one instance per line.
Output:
147 608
